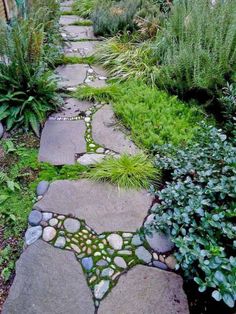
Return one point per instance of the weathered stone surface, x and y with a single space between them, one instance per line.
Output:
115 241
90 159
107 133
49 233
47 216
48 281
103 206
71 75
69 19
61 140
143 254
101 288
72 225
35 217
33 234
171 261
67 3
42 187
81 48
72 108
96 83
1 130
99 70
146 290
79 32
60 242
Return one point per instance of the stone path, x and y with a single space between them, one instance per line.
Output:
83 253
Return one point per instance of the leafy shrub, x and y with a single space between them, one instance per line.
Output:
196 48
111 17
198 206
27 88
126 171
229 102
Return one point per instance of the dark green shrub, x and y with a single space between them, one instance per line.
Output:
229 103
198 207
196 49
111 17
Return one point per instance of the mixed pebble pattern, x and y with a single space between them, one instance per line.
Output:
104 257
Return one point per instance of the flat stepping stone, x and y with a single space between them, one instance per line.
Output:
81 48
69 19
60 141
100 71
71 75
65 9
103 206
107 134
67 3
77 32
50 281
146 290
71 108
96 83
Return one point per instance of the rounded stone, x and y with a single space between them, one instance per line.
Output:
101 288
1 130
158 241
120 262
107 272
87 263
53 222
143 254
35 218
60 242
47 216
33 234
102 262
100 150
160 265
171 262
49 234
75 248
72 225
136 240
115 241
87 119
42 188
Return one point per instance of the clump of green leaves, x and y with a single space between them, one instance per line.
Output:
84 8
126 171
27 87
229 102
198 207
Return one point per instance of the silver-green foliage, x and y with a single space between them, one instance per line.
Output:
196 49
198 206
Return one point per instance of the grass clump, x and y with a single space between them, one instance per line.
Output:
126 171
102 94
84 8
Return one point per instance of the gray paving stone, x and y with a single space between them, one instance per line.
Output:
71 75
69 19
65 9
78 32
48 281
90 159
72 107
81 48
67 3
103 206
97 83
146 290
107 133
61 140
99 70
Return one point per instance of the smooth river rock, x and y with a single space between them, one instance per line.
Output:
115 241
103 206
146 290
48 281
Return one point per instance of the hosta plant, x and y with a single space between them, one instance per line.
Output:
198 207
